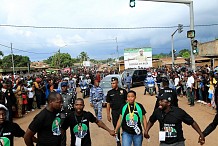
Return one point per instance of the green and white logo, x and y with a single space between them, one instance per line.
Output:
80 130
56 126
131 121
4 141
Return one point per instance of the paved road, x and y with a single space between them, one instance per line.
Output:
201 113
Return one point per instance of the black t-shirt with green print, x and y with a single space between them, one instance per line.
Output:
79 127
132 125
10 130
47 126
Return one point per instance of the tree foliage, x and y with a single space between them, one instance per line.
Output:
184 51
83 56
19 61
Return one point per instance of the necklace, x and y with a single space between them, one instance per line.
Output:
131 114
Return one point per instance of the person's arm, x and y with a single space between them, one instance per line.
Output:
148 127
144 122
108 112
197 128
118 124
28 137
103 126
211 127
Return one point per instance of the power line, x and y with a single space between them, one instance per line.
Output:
25 50
140 27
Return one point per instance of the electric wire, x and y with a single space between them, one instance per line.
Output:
65 27
25 50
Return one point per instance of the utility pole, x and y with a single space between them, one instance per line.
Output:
173 59
117 51
12 59
179 29
59 59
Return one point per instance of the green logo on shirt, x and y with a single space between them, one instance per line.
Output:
80 130
56 126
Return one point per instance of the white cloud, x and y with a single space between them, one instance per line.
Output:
98 13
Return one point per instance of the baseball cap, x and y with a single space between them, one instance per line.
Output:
166 96
114 79
63 84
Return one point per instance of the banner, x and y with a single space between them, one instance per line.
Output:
138 58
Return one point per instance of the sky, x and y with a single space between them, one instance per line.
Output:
41 43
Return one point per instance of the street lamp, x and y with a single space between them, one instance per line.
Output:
190 4
179 29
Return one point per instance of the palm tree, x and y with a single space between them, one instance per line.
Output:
83 56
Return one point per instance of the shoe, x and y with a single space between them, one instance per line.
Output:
191 105
39 107
199 101
27 111
32 110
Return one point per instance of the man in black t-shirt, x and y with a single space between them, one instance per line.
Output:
116 98
170 119
8 129
46 124
78 122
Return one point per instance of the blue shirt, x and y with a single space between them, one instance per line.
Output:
128 79
96 94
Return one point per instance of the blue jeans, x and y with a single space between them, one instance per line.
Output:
127 139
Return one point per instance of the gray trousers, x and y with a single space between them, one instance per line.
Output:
181 143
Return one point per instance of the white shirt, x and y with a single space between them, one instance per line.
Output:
176 81
190 81
31 94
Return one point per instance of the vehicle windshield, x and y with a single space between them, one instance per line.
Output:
105 84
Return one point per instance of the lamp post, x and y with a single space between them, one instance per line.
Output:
179 29
190 4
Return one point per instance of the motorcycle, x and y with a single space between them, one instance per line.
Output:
150 87
84 89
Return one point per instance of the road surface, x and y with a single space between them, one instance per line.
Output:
202 114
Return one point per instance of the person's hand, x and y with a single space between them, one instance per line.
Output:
109 118
112 132
91 104
146 135
201 140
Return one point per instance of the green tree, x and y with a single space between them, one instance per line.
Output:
83 56
49 60
1 54
19 61
180 54
61 60
186 55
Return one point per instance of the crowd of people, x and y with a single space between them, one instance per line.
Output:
63 109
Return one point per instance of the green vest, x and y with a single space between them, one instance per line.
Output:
137 108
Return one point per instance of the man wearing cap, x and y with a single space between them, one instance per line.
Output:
116 97
8 129
170 120
67 108
166 89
